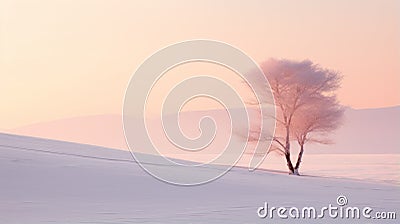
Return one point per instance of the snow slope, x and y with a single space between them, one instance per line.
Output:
47 181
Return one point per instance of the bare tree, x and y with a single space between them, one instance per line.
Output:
314 121
295 85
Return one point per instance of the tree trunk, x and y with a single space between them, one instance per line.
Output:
289 162
287 151
296 168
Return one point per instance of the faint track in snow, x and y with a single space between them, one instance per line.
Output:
82 156
70 154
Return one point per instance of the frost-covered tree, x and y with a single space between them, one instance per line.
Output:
296 86
314 121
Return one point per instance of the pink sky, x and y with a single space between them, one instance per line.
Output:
62 59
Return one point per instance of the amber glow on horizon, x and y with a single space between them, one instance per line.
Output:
61 59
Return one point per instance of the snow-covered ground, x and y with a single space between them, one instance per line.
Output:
47 181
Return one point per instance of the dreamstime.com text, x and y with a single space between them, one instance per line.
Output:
339 211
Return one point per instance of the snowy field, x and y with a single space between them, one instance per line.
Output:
378 168
46 181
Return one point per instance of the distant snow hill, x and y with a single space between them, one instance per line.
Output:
364 131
